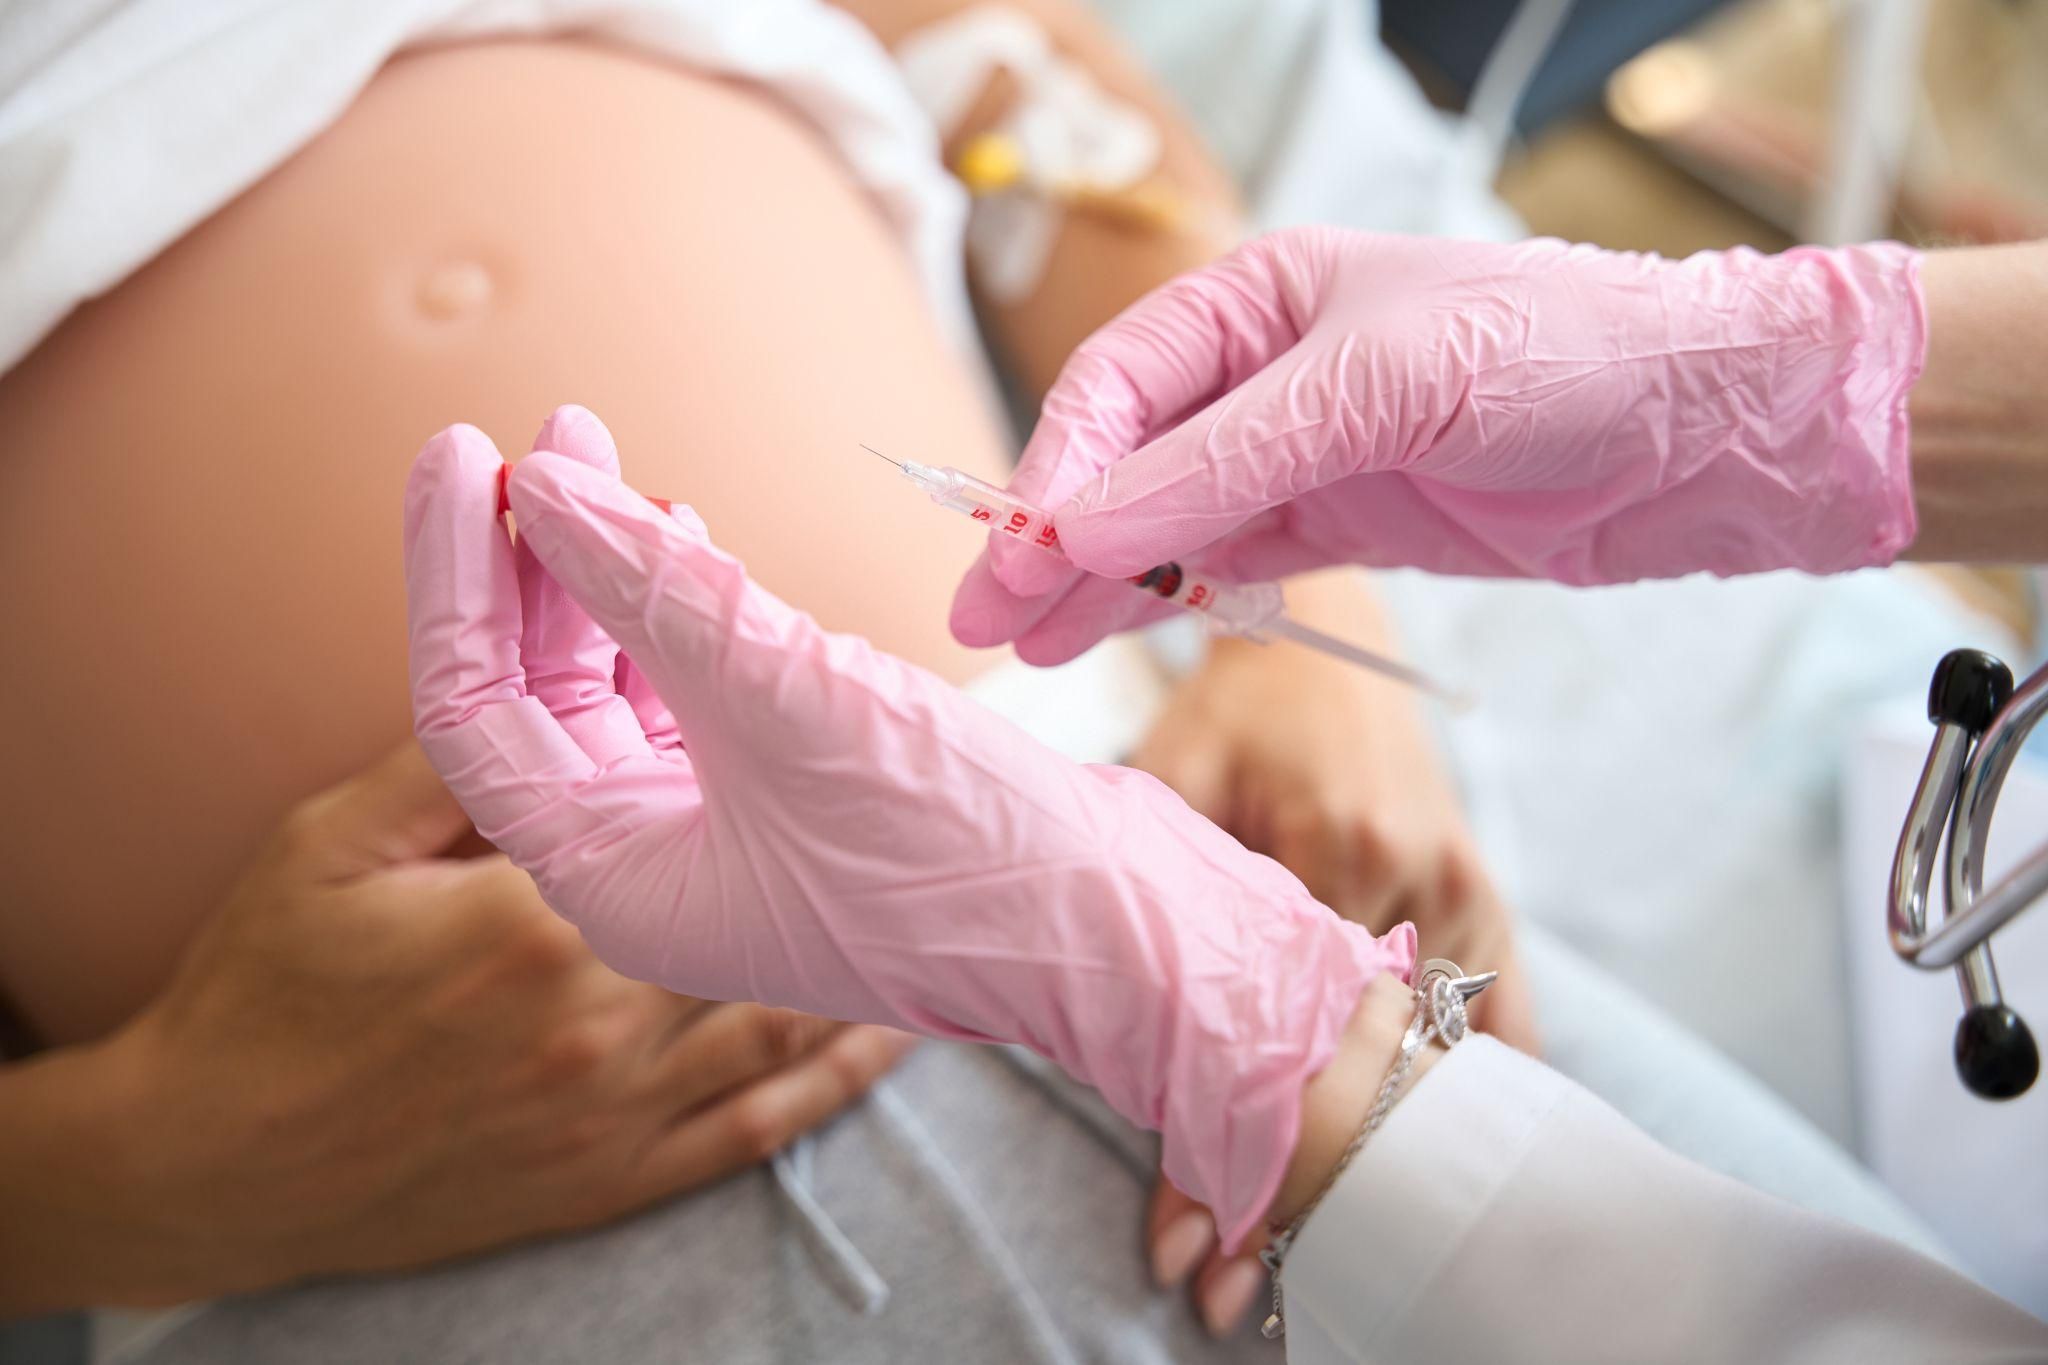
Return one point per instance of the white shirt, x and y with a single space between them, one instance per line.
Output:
1503 1213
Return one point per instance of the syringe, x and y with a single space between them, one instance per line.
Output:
1253 610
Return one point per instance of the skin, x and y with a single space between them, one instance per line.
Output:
539 1092
1331 773
187 697
1977 446
1334 773
1099 264
354 363
189 968
1337 1099
1335 776
1980 476
124 468
1980 410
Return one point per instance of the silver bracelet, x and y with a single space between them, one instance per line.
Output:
1441 990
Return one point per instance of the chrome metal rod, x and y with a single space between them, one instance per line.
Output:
1913 863
1998 907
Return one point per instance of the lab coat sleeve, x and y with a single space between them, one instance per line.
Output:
1502 1213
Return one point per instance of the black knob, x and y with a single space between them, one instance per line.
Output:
1968 688
1995 1052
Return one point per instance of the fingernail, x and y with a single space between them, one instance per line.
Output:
1230 1297
563 419
1178 1249
684 516
545 484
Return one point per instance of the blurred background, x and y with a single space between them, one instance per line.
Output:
1679 125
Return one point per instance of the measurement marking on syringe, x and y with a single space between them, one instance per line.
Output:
1253 610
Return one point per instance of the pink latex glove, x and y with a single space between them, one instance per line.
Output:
1536 410
794 818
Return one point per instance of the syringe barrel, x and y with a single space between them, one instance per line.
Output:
998 510
1253 609
1233 608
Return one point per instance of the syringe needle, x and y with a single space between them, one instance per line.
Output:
1289 628
1256 609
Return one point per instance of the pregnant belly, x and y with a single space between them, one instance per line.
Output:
199 497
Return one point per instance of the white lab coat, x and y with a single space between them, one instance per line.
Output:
1502 1213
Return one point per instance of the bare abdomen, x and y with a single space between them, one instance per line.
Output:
200 491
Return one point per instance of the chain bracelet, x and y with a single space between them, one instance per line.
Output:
1440 995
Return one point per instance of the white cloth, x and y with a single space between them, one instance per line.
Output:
124 123
1502 1213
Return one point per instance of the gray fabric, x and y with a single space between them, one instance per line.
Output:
977 1208
1005 1229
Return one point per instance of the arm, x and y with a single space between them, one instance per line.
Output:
1098 264
1980 410
1336 774
1536 1224
1367 819
1537 410
222 1141
825 825
829 828
375 1058
59 1179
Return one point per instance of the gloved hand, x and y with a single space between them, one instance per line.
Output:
1337 775
1537 410
794 818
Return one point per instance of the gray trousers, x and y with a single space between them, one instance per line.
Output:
976 1207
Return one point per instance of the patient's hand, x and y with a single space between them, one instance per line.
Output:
375 1057
1333 773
